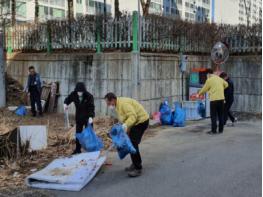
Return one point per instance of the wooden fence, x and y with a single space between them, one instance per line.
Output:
155 35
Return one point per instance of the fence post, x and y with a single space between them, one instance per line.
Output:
9 41
135 17
49 40
98 35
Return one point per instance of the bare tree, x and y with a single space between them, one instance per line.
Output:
36 11
247 5
70 10
145 6
117 9
13 12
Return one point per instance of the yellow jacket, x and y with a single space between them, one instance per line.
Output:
215 87
130 111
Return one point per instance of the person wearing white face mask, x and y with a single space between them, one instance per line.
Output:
85 109
135 121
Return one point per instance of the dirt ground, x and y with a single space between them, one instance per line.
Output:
60 143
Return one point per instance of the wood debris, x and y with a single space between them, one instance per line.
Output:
60 143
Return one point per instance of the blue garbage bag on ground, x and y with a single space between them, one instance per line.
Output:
179 116
121 141
201 109
89 140
166 114
21 110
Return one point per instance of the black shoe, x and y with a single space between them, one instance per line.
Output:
40 114
220 132
130 168
76 152
211 133
34 114
135 173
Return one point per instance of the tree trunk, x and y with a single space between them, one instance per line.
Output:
36 11
246 10
13 12
117 9
70 10
145 7
105 9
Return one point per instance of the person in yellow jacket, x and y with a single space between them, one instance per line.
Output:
215 87
135 120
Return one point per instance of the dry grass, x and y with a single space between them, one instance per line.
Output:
60 143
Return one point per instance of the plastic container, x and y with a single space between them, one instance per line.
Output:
191 110
194 78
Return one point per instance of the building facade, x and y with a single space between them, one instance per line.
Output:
54 9
217 11
250 12
246 12
190 10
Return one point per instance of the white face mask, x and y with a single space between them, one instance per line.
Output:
80 93
112 107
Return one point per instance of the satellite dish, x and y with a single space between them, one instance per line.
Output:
219 53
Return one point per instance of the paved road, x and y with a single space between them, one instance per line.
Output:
186 162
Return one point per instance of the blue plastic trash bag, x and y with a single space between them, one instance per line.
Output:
89 140
179 116
166 114
121 141
21 110
201 109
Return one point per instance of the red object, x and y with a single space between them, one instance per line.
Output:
194 97
199 70
156 116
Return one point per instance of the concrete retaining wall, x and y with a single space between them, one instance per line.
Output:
156 77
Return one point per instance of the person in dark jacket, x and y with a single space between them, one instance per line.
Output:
229 98
33 88
84 104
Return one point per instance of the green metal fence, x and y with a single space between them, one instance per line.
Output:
130 33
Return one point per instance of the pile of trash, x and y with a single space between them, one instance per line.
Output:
13 171
14 92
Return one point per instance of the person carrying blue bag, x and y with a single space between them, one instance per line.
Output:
85 109
135 121
121 141
89 140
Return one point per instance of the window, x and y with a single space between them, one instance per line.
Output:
187 4
179 2
45 10
79 1
91 3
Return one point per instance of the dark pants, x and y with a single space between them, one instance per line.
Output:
35 99
80 125
136 133
228 113
217 113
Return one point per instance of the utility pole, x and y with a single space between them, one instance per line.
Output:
139 26
2 62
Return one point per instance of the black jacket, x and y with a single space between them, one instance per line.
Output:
84 108
229 91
